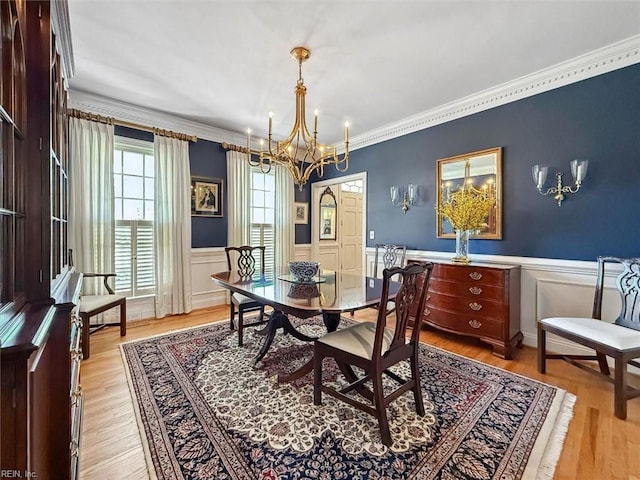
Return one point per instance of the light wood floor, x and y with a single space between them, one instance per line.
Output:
598 445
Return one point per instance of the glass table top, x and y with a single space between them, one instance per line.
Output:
335 292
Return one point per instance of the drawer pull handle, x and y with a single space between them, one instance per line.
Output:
427 312
475 290
75 397
475 324
475 306
475 275
428 297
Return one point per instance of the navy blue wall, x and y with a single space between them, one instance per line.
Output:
303 232
209 159
597 119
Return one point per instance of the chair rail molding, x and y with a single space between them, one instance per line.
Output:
545 287
549 287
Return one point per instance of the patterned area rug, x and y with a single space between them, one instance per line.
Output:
207 414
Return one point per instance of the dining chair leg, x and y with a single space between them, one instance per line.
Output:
232 313
123 319
85 337
240 326
620 387
381 412
602 363
542 352
417 391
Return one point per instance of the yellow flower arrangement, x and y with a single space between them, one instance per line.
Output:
466 209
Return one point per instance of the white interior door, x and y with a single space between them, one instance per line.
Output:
351 225
350 234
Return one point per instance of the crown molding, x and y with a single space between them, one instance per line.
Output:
612 57
62 29
109 107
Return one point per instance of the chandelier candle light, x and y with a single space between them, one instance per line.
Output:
300 152
466 209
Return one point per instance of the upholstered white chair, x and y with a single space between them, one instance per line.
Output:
100 302
91 305
619 340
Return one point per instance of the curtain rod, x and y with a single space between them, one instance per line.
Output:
234 148
114 121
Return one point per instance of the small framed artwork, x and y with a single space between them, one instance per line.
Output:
301 211
206 197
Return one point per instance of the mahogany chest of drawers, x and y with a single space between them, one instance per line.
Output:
478 300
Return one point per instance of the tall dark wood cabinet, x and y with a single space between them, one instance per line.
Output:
40 400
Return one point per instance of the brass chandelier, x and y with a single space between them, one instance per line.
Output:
300 152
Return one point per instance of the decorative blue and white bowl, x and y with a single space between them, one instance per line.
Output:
303 271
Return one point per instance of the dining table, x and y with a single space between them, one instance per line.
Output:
329 294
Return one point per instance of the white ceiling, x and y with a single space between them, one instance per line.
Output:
226 63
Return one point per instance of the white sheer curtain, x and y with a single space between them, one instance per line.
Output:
239 182
91 223
172 226
284 237
239 226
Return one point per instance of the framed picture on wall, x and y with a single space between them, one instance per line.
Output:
301 212
206 197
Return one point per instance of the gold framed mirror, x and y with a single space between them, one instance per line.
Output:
481 170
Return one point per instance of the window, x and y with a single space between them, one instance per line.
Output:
133 191
263 201
356 186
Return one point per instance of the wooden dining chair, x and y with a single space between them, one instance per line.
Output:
619 339
92 305
243 260
375 347
96 303
390 254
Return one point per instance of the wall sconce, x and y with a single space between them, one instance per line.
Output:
578 171
403 198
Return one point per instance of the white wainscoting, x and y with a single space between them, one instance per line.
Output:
205 293
549 287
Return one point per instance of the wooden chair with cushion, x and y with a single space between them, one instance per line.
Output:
375 347
243 259
91 305
619 340
391 255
